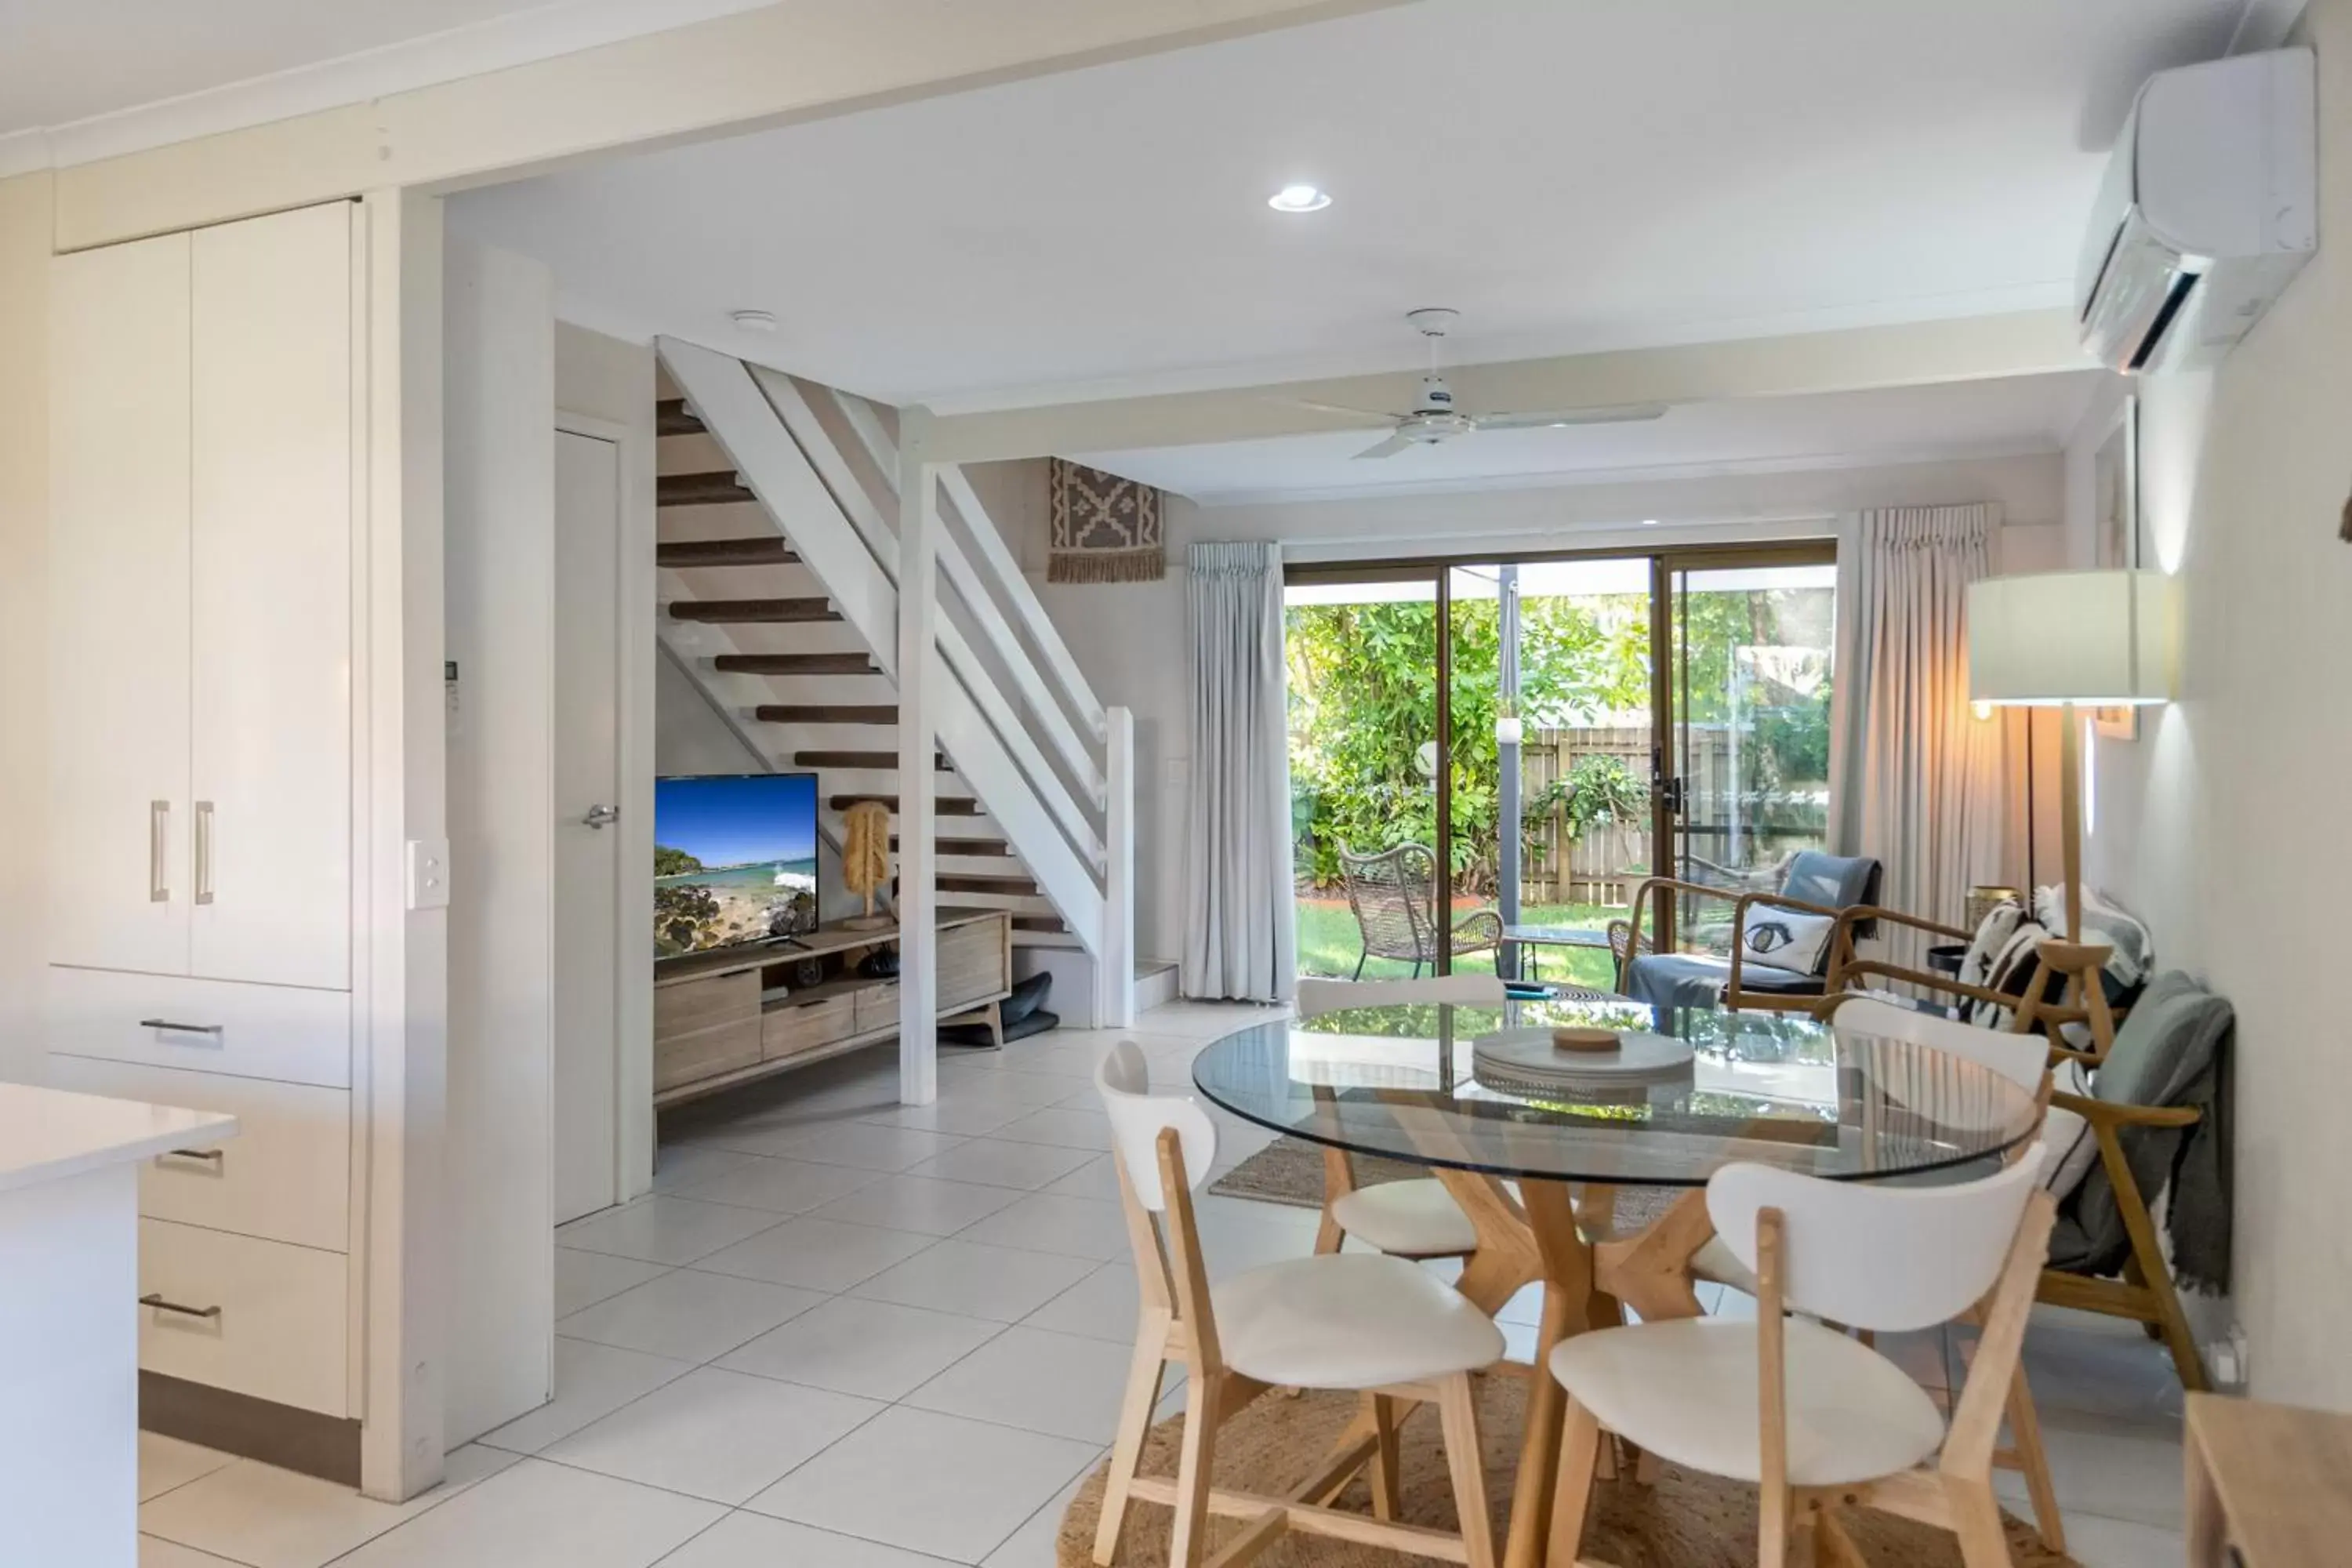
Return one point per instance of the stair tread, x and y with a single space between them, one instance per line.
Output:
825 713
795 664
761 612
828 759
672 417
768 551
972 882
945 805
700 490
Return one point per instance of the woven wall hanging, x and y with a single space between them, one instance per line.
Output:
1105 529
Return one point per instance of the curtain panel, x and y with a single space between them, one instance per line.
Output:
1241 936
1916 778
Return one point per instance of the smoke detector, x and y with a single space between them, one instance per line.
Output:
753 320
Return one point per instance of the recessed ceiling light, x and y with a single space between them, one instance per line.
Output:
1300 199
753 320
1649 522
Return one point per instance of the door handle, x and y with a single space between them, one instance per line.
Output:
601 817
203 852
159 844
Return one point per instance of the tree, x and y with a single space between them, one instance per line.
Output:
669 862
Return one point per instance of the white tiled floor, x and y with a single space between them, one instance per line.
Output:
830 1294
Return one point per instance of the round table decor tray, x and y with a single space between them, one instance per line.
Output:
1513 1058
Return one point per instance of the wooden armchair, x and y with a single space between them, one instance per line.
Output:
2083 999
2145 1293
1744 985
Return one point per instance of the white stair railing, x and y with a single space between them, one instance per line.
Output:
1057 775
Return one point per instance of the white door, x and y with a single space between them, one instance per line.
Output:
271 637
119 831
587 858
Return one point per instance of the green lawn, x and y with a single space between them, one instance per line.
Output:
1329 944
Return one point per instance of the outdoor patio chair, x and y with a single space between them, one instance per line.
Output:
1394 896
1813 891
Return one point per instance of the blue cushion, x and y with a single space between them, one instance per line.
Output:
1698 979
1835 880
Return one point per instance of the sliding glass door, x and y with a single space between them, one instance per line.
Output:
1487 758
1743 764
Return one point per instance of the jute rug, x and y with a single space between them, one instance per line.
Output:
1289 1171
1686 1520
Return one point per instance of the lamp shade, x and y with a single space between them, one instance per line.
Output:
2102 639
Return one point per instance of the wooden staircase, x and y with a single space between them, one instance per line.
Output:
827 706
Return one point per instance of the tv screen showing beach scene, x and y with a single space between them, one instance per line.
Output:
734 860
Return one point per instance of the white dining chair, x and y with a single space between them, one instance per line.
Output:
2023 1060
1413 1218
1818 1420
1378 1326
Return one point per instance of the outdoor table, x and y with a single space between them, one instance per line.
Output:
1532 937
1776 1088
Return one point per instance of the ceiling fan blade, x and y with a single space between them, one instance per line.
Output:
1338 408
1390 447
1626 413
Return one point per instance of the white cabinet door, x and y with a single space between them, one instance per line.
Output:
119 830
271 635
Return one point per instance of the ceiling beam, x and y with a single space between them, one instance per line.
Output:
1850 359
787 61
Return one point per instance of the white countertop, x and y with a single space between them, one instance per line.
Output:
47 1134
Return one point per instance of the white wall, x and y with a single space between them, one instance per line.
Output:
24 214
498 317
2222 824
1133 639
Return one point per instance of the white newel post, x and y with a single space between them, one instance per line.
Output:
1115 973
918 678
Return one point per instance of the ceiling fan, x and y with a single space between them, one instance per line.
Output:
1435 418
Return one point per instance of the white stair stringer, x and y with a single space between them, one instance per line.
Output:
739 415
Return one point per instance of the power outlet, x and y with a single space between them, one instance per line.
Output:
428 873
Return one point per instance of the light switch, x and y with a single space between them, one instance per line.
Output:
428 873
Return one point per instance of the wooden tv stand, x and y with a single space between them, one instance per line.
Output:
725 1018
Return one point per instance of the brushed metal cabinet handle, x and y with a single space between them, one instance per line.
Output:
161 1305
217 1157
178 1029
203 852
159 841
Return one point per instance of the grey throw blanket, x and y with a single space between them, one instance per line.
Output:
2172 1050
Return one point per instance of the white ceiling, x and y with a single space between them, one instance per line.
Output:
1603 173
1849 429
164 69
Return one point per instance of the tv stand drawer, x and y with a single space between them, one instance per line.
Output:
797 1026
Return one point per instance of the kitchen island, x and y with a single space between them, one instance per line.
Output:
69 1311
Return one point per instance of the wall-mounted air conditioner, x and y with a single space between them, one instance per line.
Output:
2209 207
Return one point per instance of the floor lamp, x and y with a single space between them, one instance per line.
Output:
2072 640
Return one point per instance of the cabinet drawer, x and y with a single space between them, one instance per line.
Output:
972 962
244 1031
706 1002
286 1175
267 1318
878 1006
798 1026
686 1058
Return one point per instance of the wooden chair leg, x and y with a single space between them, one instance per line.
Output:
1188 1540
1144 1376
1457 1413
2025 1434
1976 1520
1571 1501
1386 1476
2147 1253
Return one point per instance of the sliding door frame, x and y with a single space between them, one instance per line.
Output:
1665 563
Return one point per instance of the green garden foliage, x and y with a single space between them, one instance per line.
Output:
1363 706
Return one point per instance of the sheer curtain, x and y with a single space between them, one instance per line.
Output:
1241 939
1915 778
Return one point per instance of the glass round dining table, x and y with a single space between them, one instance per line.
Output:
1413 1082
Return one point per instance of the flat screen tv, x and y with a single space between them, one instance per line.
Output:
734 860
